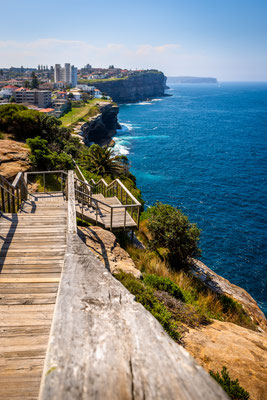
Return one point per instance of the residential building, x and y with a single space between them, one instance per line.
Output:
60 106
7 91
58 73
40 98
68 74
74 76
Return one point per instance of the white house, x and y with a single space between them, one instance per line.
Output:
7 91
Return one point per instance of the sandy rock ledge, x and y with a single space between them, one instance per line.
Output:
105 246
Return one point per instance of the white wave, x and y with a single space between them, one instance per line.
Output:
125 127
144 103
120 149
153 129
157 100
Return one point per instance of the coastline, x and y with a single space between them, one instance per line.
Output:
140 134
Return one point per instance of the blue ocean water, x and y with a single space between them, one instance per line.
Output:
204 150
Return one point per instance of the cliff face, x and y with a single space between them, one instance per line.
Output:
14 157
242 351
220 285
102 127
135 88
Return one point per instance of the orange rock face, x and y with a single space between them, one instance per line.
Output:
14 157
242 351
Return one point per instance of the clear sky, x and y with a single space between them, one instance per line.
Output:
226 39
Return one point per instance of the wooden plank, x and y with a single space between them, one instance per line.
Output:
20 299
24 279
114 348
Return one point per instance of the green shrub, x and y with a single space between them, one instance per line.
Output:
230 386
170 228
165 284
43 158
146 297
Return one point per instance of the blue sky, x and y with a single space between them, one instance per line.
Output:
225 39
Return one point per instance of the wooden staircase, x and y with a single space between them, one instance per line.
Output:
101 214
32 250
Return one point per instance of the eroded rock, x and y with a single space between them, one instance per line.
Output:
220 285
14 158
242 351
105 246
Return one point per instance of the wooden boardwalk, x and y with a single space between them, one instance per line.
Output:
32 249
104 213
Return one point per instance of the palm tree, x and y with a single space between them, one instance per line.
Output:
103 161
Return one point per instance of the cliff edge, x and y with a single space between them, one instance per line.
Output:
135 88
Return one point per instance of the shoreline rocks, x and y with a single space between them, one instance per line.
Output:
102 127
220 285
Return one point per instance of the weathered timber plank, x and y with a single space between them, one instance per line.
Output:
107 346
26 279
37 298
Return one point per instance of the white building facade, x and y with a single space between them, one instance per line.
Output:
68 74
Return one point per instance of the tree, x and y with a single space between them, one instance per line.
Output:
86 97
170 228
27 84
34 82
103 161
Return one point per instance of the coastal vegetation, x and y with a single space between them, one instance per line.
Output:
230 386
52 146
169 228
189 301
80 112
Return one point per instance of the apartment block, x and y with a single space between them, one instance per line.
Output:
40 98
68 74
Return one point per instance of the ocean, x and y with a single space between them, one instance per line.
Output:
203 149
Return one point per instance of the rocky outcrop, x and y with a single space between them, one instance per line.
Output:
101 127
107 249
14 157
135 88
220 285
242 351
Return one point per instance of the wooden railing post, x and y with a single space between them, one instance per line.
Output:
72 223
138 217
111 218
125 210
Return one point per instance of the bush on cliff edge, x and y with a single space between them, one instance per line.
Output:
169 228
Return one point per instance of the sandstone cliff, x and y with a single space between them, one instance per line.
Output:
14 157
101 127
135 88
220 285
241 350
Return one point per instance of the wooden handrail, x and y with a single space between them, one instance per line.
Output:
109 186
9 201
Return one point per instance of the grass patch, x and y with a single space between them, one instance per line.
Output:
230 386
78 114
91 82
1 135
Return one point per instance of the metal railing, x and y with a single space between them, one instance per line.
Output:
12 195
84 193
46 181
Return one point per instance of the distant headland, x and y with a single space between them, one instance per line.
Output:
191 79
